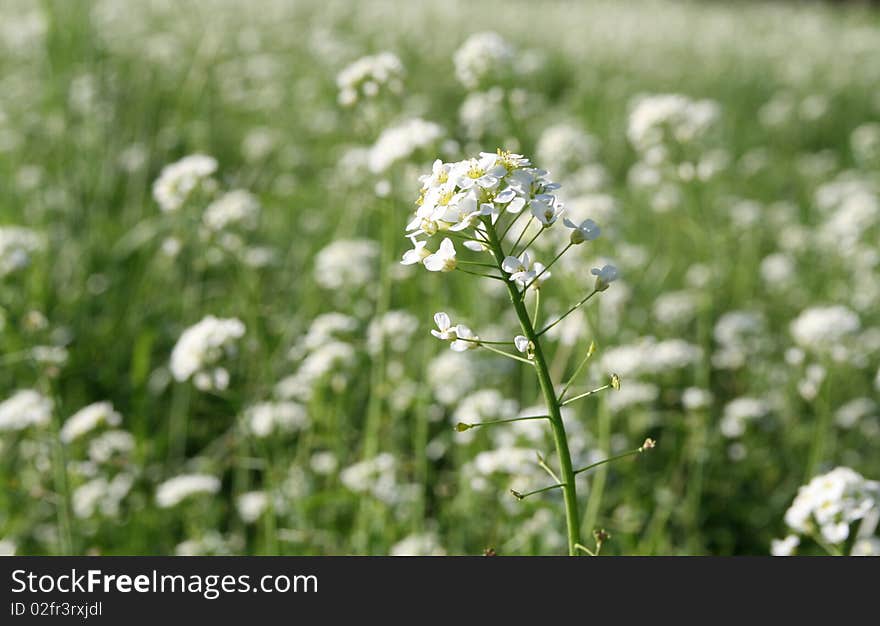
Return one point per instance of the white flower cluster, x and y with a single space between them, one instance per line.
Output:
400 141
200 349
565 147
88 419
647 356
234 207
265 418
368 76
346 264
831 502
180 179
421 544
657 119
17 244
251 505
175 490
101 495
483 58
455 196
376 476
820 328
25 408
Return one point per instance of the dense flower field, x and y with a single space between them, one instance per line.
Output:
229 230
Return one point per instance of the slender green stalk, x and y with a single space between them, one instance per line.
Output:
572 517
569 312
460 269
585 394
463 426
577 370
547 267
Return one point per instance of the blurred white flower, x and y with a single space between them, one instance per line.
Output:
483 58
368 76
17 245
87 419
24 409
251 505
201 347
180 179
785 547
175 490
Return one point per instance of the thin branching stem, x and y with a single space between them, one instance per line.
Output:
585 394
488 346
521 235
463 426
461 269
548 266
577 371
567 313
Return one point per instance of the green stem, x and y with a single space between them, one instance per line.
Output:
572 518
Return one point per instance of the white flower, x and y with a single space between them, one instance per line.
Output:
604 276
443 260
832 502
587 230
17 244
522 344
7 547
518 268
400 141
546 209
446 330
483 58
425 544
656 119
346 264
179 180
24 409
251 505
820 328
234 207
202 346
417 254
784 547
465 339
87 419
367 76
266 418
174 490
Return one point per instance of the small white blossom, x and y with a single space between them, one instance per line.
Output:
605 275
443 260
587 230
87 419
179 180
175 490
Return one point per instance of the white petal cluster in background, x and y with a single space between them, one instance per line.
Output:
346 264
175 490
24 409
821 328
367 77
266 418
236 207
422 544
484 58
202 348
657 119
828 507
179 180
17 245
402 140
88 419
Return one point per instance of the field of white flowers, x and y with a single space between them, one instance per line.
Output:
209 344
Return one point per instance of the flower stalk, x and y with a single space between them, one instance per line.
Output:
560 439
